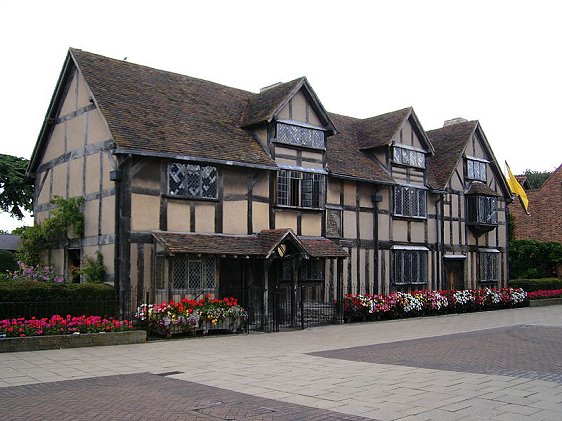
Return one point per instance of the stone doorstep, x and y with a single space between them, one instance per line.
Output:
545 302
38 343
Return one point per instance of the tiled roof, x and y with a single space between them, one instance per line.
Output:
258 245
159 111
449 143
379 130
262 106
479 188
344 157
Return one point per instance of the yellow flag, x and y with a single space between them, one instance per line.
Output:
516 189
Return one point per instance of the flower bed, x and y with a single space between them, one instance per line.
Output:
58 325
418 303
538 295
189 316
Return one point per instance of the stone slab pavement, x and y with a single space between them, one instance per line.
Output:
302 368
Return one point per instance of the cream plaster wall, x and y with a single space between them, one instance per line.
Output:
349 225
286 219
400 230
366 225
75 179
333 192
204 217
311 224
235 182
91 209
178 215
261 186
417 231
55 146
83 92
93 173
235 217
108 215
59 180
145 211
260 216
349 193
75 132
69 101
97 129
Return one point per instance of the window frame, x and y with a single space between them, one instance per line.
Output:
311 143
480 163
398 208
488 259
419 256
410 152
207 271
189 169
306 184
482 210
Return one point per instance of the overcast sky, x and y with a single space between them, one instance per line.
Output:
495 61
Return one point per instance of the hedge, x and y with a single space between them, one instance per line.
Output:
536 284
530 259
43 299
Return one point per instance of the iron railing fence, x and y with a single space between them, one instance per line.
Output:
280 308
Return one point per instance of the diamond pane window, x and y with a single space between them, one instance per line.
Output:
489 267
408 157
482 210
193 275
410 267
300 136
194 181
409 201
300 189
312 270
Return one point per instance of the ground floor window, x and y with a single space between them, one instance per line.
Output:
489 267
189 274
410 267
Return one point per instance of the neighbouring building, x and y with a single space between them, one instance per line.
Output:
544 222
194 187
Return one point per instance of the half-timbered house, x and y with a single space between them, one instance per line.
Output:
194 187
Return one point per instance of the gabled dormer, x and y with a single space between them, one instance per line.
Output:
397 140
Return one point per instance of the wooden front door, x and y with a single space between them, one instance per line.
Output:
454 274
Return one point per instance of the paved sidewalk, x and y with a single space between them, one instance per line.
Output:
280 367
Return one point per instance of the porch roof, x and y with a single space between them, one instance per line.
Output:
262 244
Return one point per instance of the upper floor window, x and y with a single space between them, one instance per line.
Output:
409 157
476 170
300 189
194 181
482 210
489 266
409 201
300 136
410 267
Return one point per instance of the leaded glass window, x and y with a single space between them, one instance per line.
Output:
300 136
409 157
300 189
195 181
410 267
489 267
312 270
482 210
409 201
193 274
476 170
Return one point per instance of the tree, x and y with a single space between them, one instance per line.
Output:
536 178
16 192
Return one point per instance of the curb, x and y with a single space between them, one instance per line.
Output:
38 343
545 302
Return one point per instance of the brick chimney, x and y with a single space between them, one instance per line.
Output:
454 121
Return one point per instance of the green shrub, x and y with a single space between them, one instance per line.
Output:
43 299
8 262
536 284
93 269
531 259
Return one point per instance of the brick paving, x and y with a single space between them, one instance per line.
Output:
284 370
533 352
146 396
